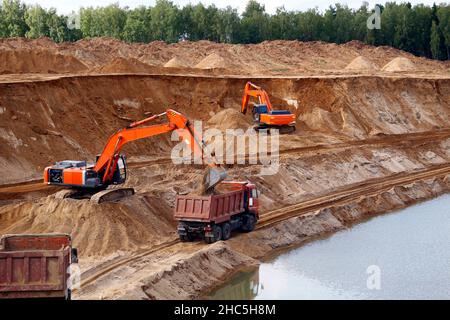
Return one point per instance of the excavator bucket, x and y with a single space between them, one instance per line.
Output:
213 177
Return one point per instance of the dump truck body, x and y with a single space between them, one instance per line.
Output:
35 266
215 208
236 208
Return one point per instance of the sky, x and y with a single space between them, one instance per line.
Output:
67 6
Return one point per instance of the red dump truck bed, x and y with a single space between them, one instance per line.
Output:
214 208
35 266
215 217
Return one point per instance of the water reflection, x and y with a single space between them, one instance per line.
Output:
244 286
410 249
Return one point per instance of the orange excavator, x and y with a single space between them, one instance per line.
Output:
263 114
111 169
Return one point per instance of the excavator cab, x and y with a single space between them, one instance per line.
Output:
257 110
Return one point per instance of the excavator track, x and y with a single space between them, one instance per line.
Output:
281 129
112 195
109 195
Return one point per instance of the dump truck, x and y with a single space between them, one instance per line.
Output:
214 217
36 266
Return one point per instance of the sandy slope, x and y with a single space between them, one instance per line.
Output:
267 58
352 127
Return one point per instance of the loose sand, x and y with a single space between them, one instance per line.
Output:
400 64
211 62
175 62
122 65
38 61
267 58
361 63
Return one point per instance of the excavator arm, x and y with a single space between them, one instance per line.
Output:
176 122
252 90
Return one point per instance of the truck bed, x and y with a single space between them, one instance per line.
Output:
34 266
214 208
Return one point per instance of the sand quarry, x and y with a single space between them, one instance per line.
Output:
372 136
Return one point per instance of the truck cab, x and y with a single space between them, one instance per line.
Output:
252 201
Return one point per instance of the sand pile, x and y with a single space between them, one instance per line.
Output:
213 61
132 223
400 64
175 62
361 63
267 58
122 65
38 61
229 119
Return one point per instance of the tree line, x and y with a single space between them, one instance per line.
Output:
420 29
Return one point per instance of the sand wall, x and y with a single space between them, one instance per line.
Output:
44 122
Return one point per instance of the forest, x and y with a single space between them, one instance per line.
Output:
419 29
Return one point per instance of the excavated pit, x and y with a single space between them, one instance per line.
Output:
351 128
38 128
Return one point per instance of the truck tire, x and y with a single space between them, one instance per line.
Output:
68 295
74 255
249 223
226 231
186 237
217 234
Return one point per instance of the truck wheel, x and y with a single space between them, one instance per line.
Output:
249 223
186 237
69 294
74 255
226 231
217 234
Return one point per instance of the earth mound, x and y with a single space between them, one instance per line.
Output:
38 61
175 62
122 65
213 61
97 230
361 63
229 119
400 64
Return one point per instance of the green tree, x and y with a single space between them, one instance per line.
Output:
137 26
113 19
228 25
443 13
422 27
13 19
283 25
435 42
359 28
254 23
165 21
310 25
328 31
37 22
